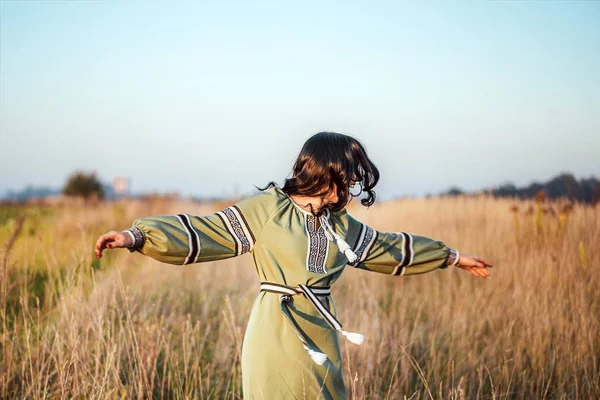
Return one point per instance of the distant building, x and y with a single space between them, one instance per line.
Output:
120 186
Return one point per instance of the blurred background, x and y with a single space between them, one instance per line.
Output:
483 118
212 98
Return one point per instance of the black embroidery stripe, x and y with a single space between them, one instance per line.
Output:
273 287
245 222
362 249
367 243
374 241
399 270
138 236
197 241
317 241
237 231
313 243
235 242
193 239
360 233
411 251
322 252
452 257
407 253
278 291
335 324
280 285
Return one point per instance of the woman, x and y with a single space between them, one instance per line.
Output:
302 239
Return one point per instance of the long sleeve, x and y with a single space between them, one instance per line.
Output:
398 253
185 239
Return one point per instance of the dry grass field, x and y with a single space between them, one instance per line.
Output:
128 327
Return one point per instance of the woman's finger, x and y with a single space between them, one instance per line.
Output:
104 239
486 263
100 246
480 272
103 242
114 244
99 242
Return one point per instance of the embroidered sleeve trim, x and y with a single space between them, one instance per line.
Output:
453 258
408 254
137 237
238 227
318 246
363 245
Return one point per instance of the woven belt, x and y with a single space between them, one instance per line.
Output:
312 294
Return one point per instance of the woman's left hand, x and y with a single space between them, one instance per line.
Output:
477 266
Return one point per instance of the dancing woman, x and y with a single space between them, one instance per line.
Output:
301 238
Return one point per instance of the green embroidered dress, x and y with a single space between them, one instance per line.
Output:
291 348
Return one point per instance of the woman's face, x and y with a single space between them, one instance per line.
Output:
330 197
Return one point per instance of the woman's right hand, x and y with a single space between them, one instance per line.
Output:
476 265
112 240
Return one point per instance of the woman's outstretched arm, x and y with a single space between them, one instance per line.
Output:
407 254
184 239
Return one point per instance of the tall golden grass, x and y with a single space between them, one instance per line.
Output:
129 327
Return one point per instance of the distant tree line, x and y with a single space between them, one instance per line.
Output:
31 192
564 186
78 184
82 184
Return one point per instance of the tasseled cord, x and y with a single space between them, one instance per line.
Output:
318 357
341 243
353 337
345 248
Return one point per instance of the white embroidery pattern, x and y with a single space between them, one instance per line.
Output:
318 246
237 226
363 245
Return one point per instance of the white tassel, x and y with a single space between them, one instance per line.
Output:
346 249
342 245
317 357
351 256
355 338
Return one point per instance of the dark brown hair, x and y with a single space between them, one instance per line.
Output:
330 159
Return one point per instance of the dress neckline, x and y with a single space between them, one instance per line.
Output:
307 214
298 205
302 210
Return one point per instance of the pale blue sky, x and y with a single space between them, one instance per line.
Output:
202 97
